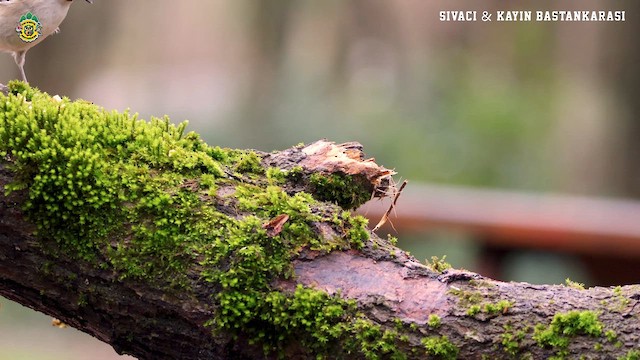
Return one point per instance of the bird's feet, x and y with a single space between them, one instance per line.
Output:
4 89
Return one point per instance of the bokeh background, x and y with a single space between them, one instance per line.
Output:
537 108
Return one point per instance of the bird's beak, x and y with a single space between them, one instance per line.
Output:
90 1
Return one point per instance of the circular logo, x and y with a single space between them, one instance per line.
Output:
29 27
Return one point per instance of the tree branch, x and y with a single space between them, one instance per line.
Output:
167 248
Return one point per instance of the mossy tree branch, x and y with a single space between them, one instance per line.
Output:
167 248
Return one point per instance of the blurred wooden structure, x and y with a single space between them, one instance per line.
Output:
603 233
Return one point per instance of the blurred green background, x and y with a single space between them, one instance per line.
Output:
542 107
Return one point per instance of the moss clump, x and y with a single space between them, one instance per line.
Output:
631 355
511 339
564 326
295 174
501 307
437 264
440 347
374 343
249 163
357 233
611 335
276 175
619 302
573 284
434 321
473 300
340 189
473 310
88 172
146 199
310 317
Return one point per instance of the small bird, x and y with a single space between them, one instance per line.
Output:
25 23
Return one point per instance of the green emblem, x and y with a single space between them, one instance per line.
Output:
29 27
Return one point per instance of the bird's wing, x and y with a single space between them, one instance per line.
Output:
10 13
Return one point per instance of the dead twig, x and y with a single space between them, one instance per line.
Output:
385 217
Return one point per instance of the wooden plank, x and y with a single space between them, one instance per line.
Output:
583 225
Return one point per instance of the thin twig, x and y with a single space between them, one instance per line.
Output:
385 217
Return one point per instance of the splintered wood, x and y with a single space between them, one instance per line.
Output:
327 157
348 158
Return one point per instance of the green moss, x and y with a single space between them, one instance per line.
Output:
249 163
574 284
340 189
80 163
501 307
473 300
309 316
473 310
511 339
440 347
466 297
276 176
631 355
438 264
141 199
373 342
294 174
611 335
357 233
564 326
617 291
434 321
619 302
510 343
82 300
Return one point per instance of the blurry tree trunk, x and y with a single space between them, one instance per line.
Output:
369 36
269 24
625 51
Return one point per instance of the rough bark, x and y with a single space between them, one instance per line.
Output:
416 311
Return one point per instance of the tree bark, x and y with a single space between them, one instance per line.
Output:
399 307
